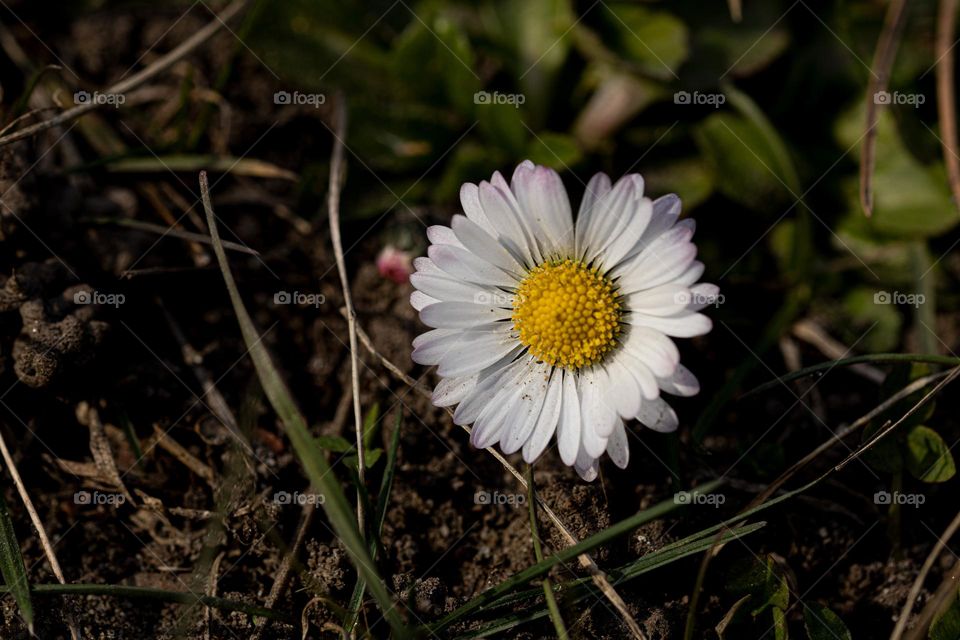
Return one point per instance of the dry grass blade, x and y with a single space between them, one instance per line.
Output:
596 574
333 212
879 76
38 525
924 570
946 95
308 452
159 66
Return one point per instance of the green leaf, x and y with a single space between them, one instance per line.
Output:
885 456
337 444
689 178
764 581
11 565
910 199
823 624
654 40
947 625
370 423
557 150
311 456
861 311
780 630
928 456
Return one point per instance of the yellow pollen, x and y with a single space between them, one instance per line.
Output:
567 314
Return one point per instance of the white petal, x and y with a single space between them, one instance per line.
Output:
703 295
617 447
598 187
665 260
642 374
663 300
654 349
506 221
543 198
502 411
624 389
453 290
547 422
461 315
527 411
586 465
470 201
438 234
426 266
658 415
597 417
450 391
568 428
611 212
481 395
466 265
626 237
475 353
692 274
681 383
419 300
484 245
695 324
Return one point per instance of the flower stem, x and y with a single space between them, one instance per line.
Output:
538 552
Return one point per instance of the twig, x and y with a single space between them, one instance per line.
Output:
333 209
165 231
924 570
946 590
815 335
883 58
159 66
946 96
597 575
38 525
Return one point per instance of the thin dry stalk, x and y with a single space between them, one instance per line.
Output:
946 95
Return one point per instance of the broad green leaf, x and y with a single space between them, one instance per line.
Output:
744 163
910 199
654 40
689 178
763 581
866 308
885 456
823 624
337 444
928 456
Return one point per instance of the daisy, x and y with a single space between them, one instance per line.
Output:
544 325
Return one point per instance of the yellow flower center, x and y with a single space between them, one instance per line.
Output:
567 314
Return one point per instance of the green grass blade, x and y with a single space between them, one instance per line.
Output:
11 565
565 555
311 457
380 514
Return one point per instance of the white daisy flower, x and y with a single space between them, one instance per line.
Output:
543 326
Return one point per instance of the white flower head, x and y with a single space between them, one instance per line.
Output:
544 325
